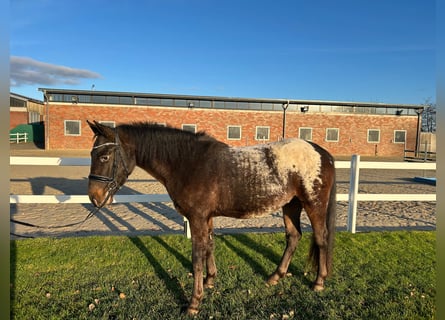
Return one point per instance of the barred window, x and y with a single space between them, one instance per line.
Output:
189 127
72 127
332 134
305 133
399 136
110 124
262 133
234 132
373 135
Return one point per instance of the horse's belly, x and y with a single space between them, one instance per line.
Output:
255 208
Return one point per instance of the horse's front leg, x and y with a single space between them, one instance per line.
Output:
210 258
199 248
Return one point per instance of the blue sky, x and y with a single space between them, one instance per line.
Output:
352 50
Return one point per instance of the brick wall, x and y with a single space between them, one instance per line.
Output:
352 127
16 118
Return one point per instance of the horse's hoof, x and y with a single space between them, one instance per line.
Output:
192 311
273 280
209 283
318 287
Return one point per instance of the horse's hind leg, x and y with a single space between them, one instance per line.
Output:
210 258
319 245
291 216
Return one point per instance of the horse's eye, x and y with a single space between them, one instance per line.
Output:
104 158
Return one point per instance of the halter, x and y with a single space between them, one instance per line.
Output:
112 183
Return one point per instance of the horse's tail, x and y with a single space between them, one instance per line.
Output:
330 224
314 252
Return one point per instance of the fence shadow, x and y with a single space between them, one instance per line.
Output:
51 185
171 283
254 264
186 262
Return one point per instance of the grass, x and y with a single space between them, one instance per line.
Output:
380 275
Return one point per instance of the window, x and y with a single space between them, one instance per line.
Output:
84 98
255 106
399 136
110 124
70 98
230 105
17 103
180 103
305 133
234 132
154 102
373 135
98 99
205 104
72 127
218 104
192 103
243 105
126 100
112 99
332 134
325 108
189 127
142 101
167 102
33 117
267 106
262 133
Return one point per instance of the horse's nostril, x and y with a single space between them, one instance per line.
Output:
93 201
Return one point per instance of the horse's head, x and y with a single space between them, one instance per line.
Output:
111 164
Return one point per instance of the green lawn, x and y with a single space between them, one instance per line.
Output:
378 275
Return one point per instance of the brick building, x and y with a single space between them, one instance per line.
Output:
343 128
24 110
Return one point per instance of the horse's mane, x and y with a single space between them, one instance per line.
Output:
167 143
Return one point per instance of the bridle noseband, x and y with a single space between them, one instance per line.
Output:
112 183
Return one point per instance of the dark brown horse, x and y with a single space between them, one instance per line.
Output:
206 178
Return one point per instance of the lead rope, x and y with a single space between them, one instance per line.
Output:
78 223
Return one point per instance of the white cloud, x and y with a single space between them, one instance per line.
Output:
27 71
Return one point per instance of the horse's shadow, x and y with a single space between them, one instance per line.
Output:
52 185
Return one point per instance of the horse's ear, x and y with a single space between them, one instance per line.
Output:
93 127
101 130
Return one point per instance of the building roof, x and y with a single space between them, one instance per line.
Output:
230 99
24 98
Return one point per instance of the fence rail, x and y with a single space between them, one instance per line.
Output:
18 137
352 197
421 156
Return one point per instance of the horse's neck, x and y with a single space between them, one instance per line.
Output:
155 162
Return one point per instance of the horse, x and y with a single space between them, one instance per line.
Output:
206 178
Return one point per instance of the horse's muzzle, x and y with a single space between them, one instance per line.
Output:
100 197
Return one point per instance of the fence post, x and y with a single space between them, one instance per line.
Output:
187 232
353 191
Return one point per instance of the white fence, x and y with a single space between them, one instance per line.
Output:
18 137
352 197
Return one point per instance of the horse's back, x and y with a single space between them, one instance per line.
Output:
260 179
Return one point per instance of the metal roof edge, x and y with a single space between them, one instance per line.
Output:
238 99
